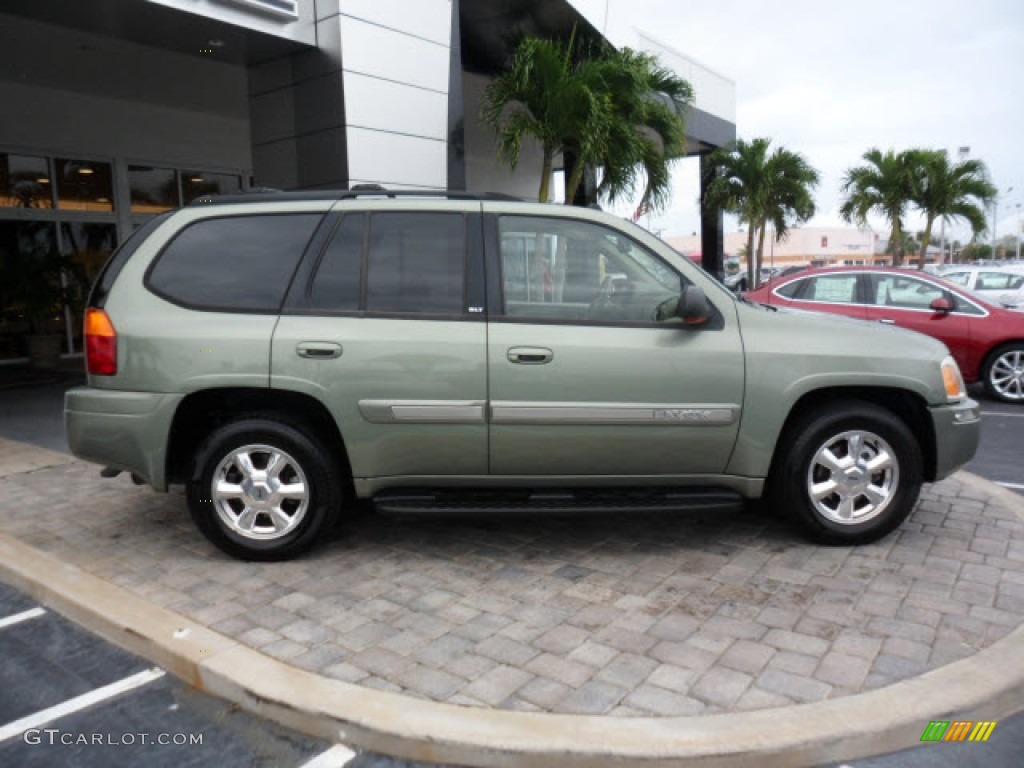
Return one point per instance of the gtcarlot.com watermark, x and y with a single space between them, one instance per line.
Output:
55 737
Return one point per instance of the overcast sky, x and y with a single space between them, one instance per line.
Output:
830 79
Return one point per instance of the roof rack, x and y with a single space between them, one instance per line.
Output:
264 194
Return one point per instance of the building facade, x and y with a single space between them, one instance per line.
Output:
116 110
819 246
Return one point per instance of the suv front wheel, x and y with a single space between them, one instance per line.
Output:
263 490
851 474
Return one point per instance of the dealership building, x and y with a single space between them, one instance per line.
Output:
116 110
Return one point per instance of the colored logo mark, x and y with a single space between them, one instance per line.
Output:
958 730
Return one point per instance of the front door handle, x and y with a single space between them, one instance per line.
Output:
318 350
887 321
530 355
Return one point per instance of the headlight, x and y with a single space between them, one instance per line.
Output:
954 382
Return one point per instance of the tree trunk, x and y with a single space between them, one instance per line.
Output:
760 253
926 239
575 178
897 244
751 257
545 175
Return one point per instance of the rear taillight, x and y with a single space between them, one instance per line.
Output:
100 343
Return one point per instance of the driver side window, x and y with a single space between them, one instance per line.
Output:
565 270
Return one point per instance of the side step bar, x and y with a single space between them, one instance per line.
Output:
589 500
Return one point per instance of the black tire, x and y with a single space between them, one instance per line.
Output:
1002 362
302 518
834 425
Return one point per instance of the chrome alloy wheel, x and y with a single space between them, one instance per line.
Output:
1007 375
260 492
853 477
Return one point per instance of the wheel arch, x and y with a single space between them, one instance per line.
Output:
203 411
907 406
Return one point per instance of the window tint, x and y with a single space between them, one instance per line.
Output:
561 269
337 281
233 263
790 290
904 292
960 278
416 263
998 281
835 289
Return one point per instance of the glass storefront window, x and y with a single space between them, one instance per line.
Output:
29 284
25 182
198 183
153 190
84 185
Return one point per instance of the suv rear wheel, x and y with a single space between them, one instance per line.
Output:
851 474
263 490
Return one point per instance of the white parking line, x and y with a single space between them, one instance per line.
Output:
50 714
335 757
1000 413
20 617
1015 486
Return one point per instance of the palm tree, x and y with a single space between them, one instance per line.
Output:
761 187
885 185
542 96
620 111
789 196
646 125
951 191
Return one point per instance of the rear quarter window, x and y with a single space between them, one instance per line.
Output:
233 263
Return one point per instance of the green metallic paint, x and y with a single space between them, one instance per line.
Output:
758 365
387 359
126 430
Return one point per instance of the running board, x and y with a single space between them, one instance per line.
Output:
589 500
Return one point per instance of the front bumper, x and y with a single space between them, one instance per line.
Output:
126 430
957 430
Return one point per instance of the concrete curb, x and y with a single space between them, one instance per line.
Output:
989 685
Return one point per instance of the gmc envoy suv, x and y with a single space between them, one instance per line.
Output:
281 354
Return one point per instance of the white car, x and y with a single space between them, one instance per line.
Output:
1013 299
992 283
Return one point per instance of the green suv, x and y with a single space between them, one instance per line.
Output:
281 354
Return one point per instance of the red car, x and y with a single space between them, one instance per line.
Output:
987 341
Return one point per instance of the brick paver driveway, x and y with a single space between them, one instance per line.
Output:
622 614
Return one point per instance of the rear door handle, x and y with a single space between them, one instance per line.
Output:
318 350
530 355
887 321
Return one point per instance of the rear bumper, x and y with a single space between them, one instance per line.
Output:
957 430
126 430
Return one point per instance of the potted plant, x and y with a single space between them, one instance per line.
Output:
39 281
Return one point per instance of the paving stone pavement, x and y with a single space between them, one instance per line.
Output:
624 614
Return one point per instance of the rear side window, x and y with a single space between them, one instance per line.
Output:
107 276
791 290
235 263
416 263
337 282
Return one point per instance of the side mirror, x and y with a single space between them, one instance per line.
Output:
691 307
943 305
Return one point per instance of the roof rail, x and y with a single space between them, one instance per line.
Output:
265 194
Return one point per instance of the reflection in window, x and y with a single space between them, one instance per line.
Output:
416 263
835 289
198 183
153 190
87 245
25 182
29 284
84 185
573 270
